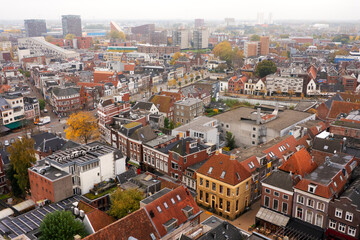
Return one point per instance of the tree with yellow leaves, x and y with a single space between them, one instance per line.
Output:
82 126
117 35
172 82
175 57
69 36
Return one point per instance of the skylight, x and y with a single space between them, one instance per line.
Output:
173 201
223 174
210 169
159 209
178 197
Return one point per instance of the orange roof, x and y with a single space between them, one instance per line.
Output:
341 107
250 164
176 95
89 84
299 163
98 219
104 72
163 103
312 72
220 163
129 67
4 88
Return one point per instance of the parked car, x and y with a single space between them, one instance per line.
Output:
45 110
6 143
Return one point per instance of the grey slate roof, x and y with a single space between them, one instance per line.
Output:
62 92
280 179
144 134
143 105
327 145
353 193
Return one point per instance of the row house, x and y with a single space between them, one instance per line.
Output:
66 100
108 108
237 84
31 108
12 110
192 91
344 214
347 127
255 87
165 104
313 193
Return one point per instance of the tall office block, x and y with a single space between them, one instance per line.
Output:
201 38
71 24
264 45
35 27
181 38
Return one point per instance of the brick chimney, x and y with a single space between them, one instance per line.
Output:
188 147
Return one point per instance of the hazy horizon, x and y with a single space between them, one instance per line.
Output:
160 10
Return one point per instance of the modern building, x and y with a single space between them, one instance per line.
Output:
71 24
181 38
200 38
264 45
199 22
223 184
203 128
12 110
251 49
35 27
282 84
38 45
251 127
87 165
143 29
188 109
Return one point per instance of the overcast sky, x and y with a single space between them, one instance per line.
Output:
325 10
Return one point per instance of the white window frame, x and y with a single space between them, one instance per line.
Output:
338 213
341 227
351 231
332 224
349 216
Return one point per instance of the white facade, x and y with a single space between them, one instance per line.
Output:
276 83
224 86
311 88
38 45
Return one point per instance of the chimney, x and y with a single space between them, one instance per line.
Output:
188 133
77 237
188 147
258 116
232 157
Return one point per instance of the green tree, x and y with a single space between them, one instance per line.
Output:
27 74
255 37
124 202
171 125
22 156
61 225
41 104
166 122
70 36
265 68
343 38
230 140
49 38
10 175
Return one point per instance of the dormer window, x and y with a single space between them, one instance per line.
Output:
159 209
210 170
312 188
223 174
178 197
188 211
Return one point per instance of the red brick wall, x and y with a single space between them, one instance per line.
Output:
41 188
280 199
350 132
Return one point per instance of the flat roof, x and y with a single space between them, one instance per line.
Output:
155 196
160 140
197 124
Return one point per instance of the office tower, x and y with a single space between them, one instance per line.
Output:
199 22
264 45
201 38
71 24
251 49
143 29
35 27
181 38
260 18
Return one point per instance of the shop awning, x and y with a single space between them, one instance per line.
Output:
14 125
272 217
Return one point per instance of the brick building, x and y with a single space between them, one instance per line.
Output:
66 100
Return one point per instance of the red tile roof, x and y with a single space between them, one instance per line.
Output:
98 219
129 67
288 143
299 163
234 171
250 164
176 95
338 107
173 210
163 103
136 224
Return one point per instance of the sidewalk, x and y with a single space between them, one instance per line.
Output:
243 222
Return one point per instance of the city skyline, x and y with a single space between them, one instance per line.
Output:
280 9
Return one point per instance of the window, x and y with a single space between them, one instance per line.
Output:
310 203
275 204
319 220
178 198
222 174
201 181
220 203
267 190
165 205
300 199
284 207
214 186
338 213
237 191
266 201
309 216
173 201
320 206
159 209
220 189
311 188
207 183
228 206
276 194
286 197
349 216
206 197
299 213
351 231
342 227
332 224
228 192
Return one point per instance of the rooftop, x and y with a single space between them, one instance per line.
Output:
155 196
201 124
49 172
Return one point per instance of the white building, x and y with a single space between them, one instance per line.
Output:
88 164
275 83
12 110
224 86
312 88
204 128
38 45
181 38
201 38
